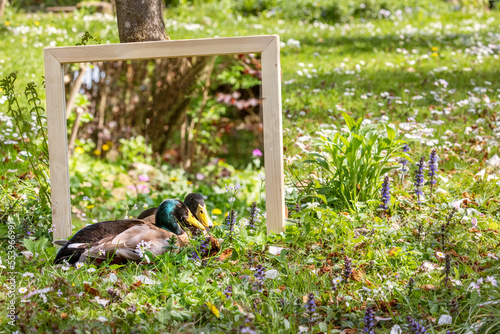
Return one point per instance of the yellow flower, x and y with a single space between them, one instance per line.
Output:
97 152
105 147
435 54
173 179
7 23
37 23
434 48
79 150
90 206
216 211
189 183
213 308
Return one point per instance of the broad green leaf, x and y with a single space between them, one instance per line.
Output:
391 134
348 120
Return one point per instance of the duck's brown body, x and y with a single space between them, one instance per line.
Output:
129 239
119 239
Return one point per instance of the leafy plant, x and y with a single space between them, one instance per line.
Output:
31 124
352 165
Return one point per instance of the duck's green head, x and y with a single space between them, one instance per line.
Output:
172 213
196 205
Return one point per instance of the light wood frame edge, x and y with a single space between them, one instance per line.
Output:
267 45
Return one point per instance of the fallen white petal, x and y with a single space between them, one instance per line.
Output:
28 255
494 161
445 319
111 278
101 301
272 274
275 250
481 173
145 279
443 178
396 329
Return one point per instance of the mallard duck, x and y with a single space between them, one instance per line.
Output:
120 238
196 205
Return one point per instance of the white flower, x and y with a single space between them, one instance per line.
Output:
337 280
3 99
28 275
22 290
142 247
65 268
102 319
440 255
78 265
91 270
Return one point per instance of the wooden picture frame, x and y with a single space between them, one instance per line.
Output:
269 48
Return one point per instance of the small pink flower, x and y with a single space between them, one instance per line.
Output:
131 187
474 286
257 152
474 222
492 280
143 188
143 178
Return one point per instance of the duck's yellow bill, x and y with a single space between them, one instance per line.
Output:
194 222
202 215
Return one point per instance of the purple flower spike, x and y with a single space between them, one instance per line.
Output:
419 179
386 194
432 169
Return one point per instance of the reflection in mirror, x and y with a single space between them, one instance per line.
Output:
177 125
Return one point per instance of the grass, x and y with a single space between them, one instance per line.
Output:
384 70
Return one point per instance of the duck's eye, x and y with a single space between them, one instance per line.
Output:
201 212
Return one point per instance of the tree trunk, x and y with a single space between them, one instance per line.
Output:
140 21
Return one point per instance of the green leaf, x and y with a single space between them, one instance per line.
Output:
286 323
391 134
115 266
348 120
323 327
323 198
469 270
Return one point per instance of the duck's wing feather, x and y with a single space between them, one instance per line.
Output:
93 234
125 245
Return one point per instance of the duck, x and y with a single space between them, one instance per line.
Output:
122 239
195 203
